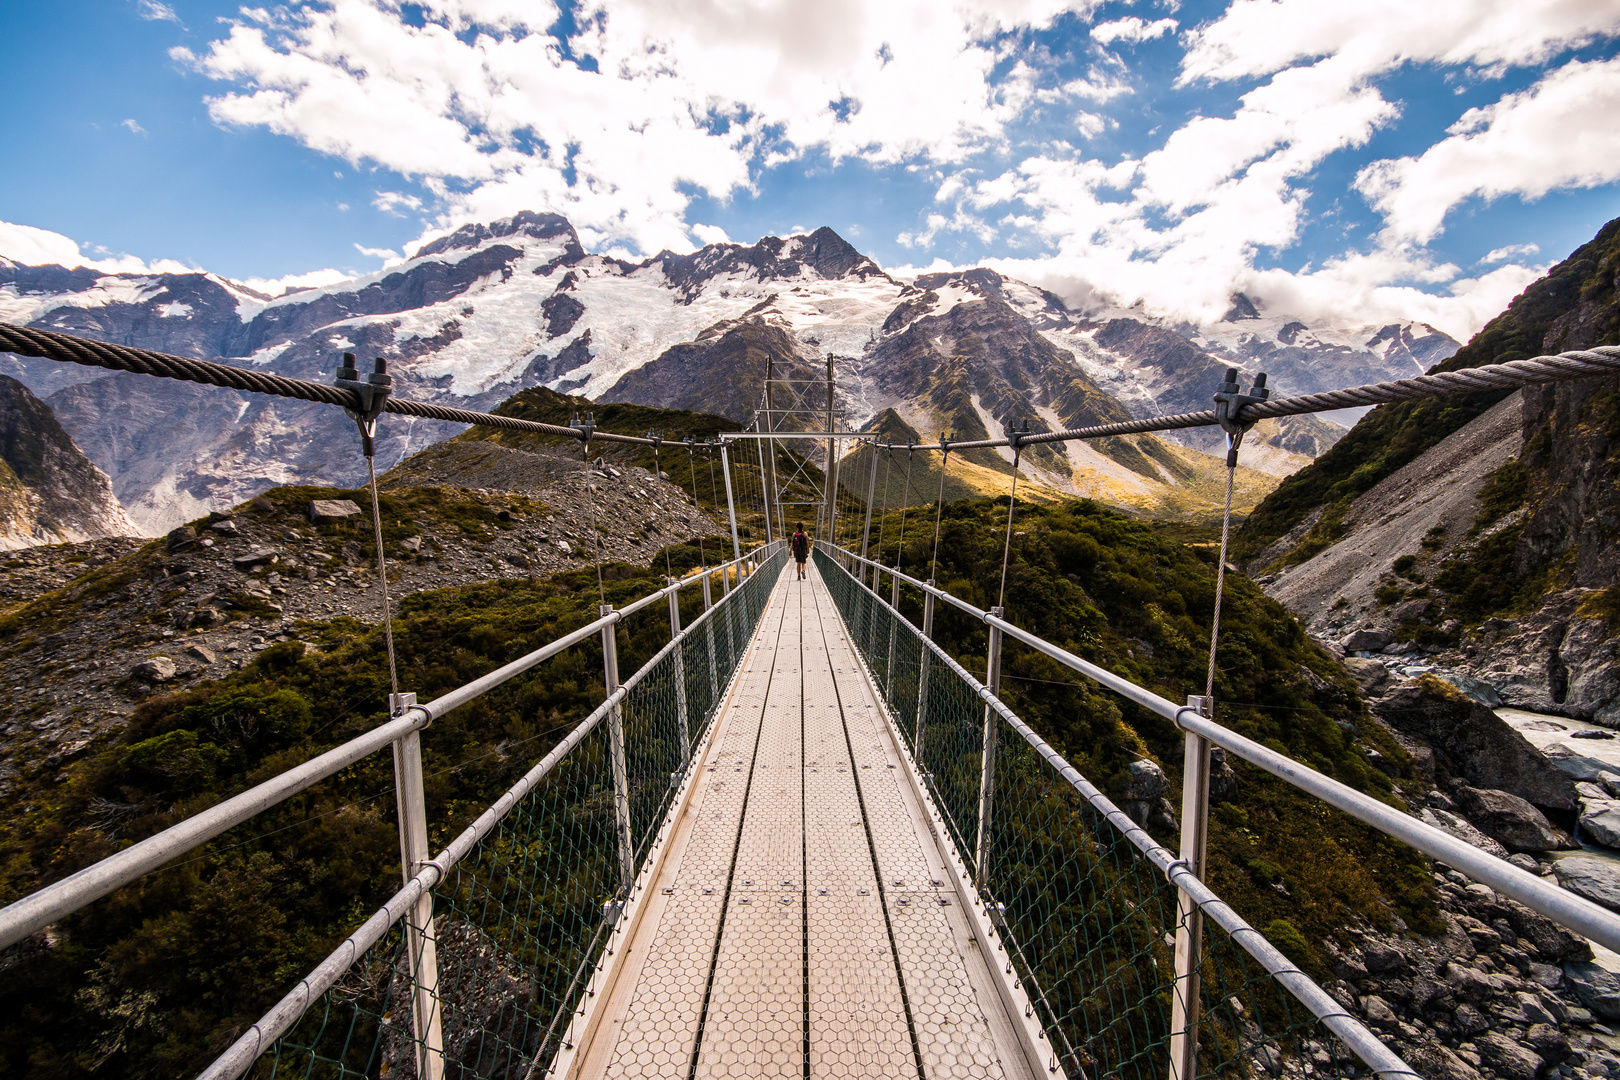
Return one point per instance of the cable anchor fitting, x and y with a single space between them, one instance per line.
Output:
1230 402
372 394
586 424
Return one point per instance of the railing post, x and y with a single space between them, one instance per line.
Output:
410 798
987 769
680 672
708 631
621 776
922 673
1184 998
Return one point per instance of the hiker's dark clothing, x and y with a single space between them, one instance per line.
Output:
801 546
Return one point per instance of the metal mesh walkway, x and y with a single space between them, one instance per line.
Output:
804 921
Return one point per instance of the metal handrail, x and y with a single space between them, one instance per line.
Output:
1575 912
241 1055
62 898
1305 990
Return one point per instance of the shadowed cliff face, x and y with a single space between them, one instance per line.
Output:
50 493
1480 534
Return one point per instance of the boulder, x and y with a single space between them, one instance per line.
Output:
1510 819
1474 742
254 558
1549 1042
1143 796
1381 957
200 652
1511 1060
1482 692
329 511
1378 1012
205 617
350 553
412 544
1600 822
1438 1063
1370 675
226 527
259 502
158 669
1595 987
1366 641
1574 765
183 537
1410 611
1459 827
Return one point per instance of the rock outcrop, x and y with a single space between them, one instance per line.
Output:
50 493
1471 742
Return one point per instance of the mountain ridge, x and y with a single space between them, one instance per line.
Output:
494 308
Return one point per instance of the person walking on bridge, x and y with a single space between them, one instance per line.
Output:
801 547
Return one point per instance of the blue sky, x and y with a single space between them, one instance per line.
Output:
1343 161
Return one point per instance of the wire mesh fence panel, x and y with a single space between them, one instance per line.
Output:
1088 919
520 921
517 923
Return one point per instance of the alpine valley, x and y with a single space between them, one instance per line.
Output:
475 317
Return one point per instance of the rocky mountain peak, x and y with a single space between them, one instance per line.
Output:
1242 308
528 223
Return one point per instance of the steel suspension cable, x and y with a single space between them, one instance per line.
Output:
691 467
939 506
585 448
1537 370
68 348
905 501
1233 442
658 474
888 464
382 579
1006 546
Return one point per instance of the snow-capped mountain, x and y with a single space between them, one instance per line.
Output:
476 316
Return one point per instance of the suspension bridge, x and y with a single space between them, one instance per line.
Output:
803 840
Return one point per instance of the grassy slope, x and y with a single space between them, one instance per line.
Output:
1122 594
1392 435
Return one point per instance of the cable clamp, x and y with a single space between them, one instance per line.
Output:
1230 403
372 394
586 424
1170 871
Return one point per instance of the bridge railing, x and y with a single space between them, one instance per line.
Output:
525 903
1089 907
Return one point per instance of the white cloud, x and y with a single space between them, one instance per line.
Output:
689 97
389 202
134 128
153 11
385 254
1132 29
315 279
28 246
1512 251
1258 37
1525 144
710 234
